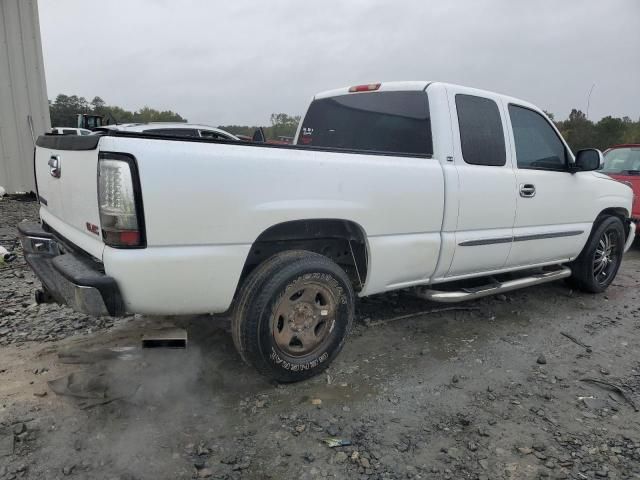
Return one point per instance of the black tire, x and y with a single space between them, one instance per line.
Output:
281 327
590 273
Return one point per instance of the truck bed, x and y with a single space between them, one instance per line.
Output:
206 201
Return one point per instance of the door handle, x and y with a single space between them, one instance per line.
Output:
527 190
54 166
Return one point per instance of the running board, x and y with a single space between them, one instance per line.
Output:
492 289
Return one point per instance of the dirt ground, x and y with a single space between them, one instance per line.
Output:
493 390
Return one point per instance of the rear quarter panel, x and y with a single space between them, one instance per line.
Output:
201 199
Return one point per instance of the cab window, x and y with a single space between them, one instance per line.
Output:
481 133
385 122
538 146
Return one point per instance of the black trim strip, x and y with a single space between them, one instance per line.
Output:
489 241
521 238
542 236
68 142
43 200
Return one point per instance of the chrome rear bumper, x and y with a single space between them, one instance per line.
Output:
69 278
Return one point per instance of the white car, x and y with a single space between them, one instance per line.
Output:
171 129
406 185
70 131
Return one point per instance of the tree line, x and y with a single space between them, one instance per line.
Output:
282 125
578 130
65 108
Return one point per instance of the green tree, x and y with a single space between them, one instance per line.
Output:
147 114
577 130
609 131
282 125
64 110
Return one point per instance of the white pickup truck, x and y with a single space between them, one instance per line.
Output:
451 192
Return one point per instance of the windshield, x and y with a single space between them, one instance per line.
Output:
622 160
390 122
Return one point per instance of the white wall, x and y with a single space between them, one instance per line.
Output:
23 92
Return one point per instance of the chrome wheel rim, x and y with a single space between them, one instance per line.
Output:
605 259
304 318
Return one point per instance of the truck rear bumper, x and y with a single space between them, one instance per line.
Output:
70 278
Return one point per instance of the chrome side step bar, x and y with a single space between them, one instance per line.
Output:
492 289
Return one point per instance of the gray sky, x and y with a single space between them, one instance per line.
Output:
236 62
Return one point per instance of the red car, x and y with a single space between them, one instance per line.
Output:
622 162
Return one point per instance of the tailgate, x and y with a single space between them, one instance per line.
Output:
66 175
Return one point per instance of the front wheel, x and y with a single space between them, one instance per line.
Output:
292 315
597 265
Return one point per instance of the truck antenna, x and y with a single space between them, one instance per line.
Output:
589 99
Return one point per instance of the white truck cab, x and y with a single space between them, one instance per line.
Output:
413 185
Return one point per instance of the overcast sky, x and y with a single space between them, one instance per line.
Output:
236 62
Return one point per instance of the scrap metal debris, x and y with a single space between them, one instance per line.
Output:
337 442
6 256
623 390
576 341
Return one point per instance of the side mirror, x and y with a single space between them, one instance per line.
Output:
588 160
258 136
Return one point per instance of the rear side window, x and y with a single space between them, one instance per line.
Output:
481 133
69 131
538 146
389 122
173 132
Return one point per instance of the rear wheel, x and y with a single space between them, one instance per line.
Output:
597 265
292 315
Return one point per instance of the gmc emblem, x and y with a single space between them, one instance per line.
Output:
92 228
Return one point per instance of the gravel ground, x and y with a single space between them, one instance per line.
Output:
21 319
542 383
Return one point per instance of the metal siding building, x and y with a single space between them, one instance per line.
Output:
23 93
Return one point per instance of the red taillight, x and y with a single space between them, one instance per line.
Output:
120 201
370 87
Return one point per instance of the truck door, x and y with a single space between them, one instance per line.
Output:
486 183
554 205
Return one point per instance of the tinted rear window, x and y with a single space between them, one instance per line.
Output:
481 134
390 122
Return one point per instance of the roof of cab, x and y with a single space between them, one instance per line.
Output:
422 85
384 87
